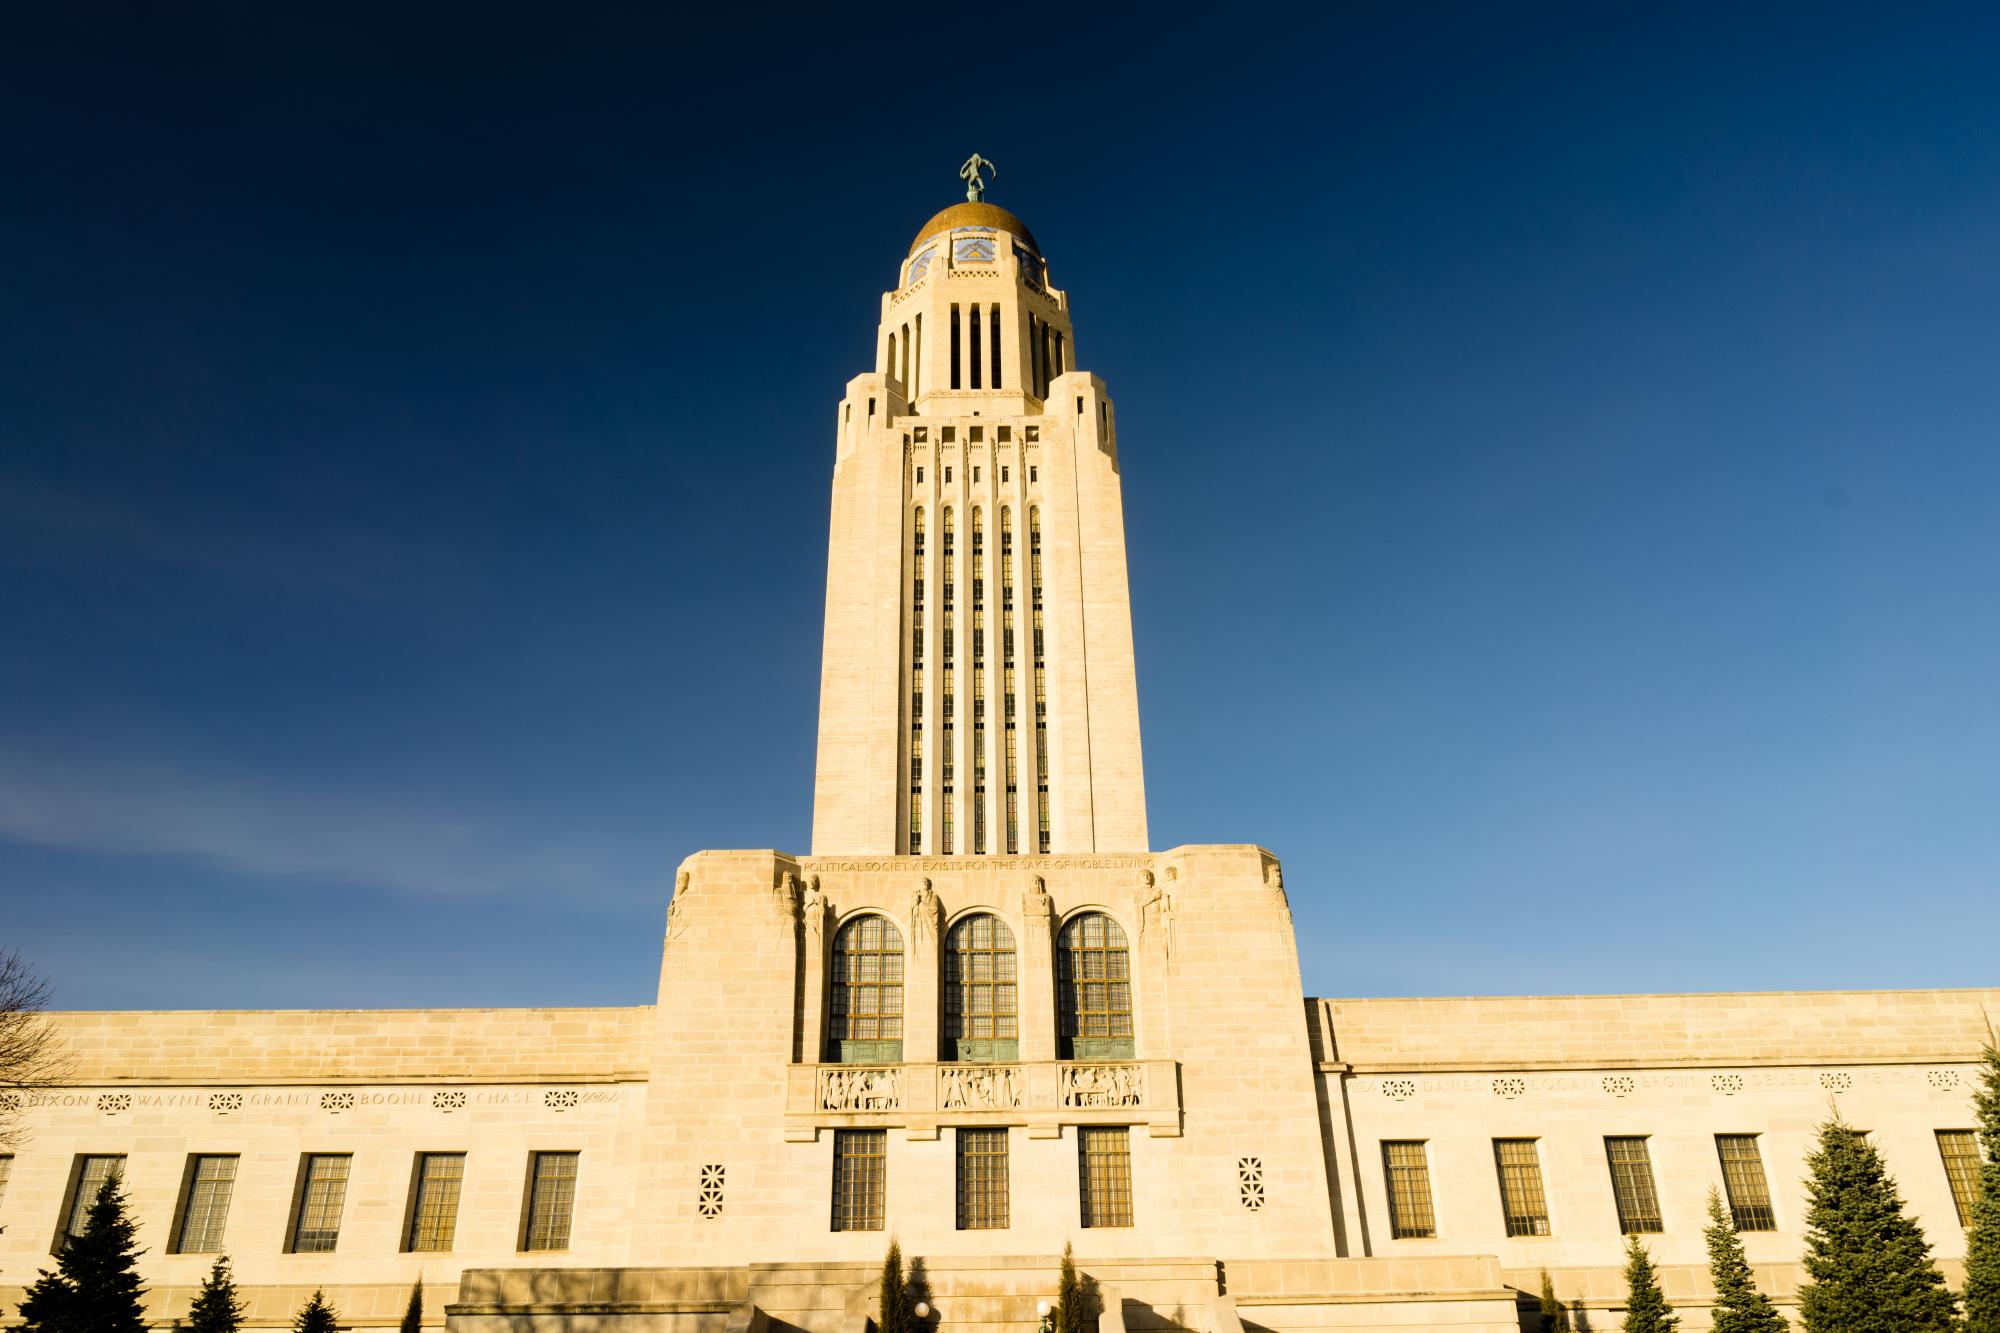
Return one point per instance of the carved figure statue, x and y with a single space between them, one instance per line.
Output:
1036 903
1151 898
975 184
1275 878
815 907
787 892
924 912
676 918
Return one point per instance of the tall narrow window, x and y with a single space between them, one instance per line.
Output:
973 323
860 1172
994 343
1035 356
1743 1178
1094 989
978 687
947 713
1407 1177
1011 776
867 992
322 1195
1523 1206
1632 1185
917 360
434 1201
1104 1174
889 366
917 684
91 1173
980 991
903 373
954 347
1062 354
1047 343
205 1204
551 1200
982 1179
1960 1150
1041 684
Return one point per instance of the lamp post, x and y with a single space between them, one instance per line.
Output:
1043 1308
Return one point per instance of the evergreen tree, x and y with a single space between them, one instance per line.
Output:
1071 1314
316 1316
1646 1308
1868 1266
94 1286
1555 1319
413 1316
895 1300
217 1308
1982 1234
1739 1306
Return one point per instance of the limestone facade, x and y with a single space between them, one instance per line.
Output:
859 1043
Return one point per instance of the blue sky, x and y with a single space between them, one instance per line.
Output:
1559 450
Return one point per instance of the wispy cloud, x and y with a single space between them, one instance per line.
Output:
250 826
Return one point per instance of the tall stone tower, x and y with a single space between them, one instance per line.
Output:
977 695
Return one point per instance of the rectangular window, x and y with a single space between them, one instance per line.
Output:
434 1201
204 1204
91 1173
1104 1174
1407 1176
1003 475
1632 1185
551 1200
946 434
1523 1205
920 476
1960 1150
976 433
1003 433
860 1174
921 434
975 476
982 1179
1743 1179
322 1195
1031 433
1033 475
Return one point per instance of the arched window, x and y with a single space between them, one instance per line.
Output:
981 1008
865 1016
1094 989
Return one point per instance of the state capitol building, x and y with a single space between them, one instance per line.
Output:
985 1016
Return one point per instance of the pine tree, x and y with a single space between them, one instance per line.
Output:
1739 1306
316 1316
1555 1319
1868 1266
413 1316
1982 1235
894 1316
1646 1308
95 1285
217 1308
1071 1316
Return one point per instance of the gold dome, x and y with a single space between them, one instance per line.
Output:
976 215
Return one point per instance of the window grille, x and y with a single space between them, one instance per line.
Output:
1523 1204
860 1171
1104 1175
982 1179
947 612
322 1194
917 682
980 990
1407 1175
91 1173
551 1200
1010 775
867 990
1094 989
434 1212
210 1181
1960 1150
1743 1180
1632 1185
978 575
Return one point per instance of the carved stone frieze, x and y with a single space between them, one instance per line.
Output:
978 1087
1094 1086
860 1089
